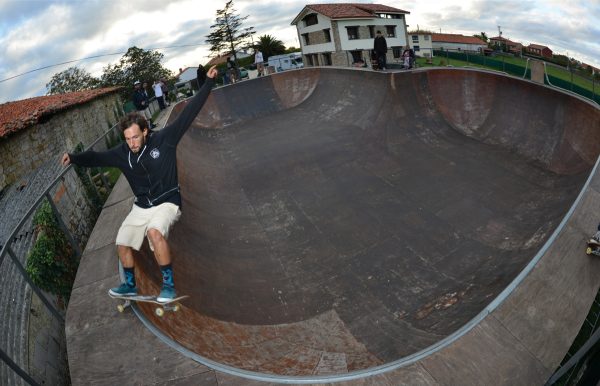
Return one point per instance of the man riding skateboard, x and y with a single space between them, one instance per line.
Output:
148 161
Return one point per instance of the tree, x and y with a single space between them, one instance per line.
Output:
136 64
71 79
482 36
269 46
227 33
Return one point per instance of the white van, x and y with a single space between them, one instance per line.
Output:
286 61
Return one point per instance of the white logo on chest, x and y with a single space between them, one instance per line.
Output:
155 153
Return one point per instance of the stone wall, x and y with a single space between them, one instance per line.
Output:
28 149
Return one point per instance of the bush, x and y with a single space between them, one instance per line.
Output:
50 263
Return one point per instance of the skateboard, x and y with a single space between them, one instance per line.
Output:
593 249
172 305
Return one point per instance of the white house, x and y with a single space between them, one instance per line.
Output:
342 34
453 42
422 43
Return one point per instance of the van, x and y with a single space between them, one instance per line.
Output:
286 62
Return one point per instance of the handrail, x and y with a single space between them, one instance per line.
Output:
7 250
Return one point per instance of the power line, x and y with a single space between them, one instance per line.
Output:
92 57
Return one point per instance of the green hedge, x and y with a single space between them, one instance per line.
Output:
51 264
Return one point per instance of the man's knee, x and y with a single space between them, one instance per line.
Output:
155 235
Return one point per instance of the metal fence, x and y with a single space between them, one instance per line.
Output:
32 322
575 82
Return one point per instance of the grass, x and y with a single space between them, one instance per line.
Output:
557 72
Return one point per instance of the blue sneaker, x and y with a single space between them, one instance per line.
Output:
166 294
123 290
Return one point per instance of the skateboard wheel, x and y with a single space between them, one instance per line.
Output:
159 312
120 308
588 250
176 308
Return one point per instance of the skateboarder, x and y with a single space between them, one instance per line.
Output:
147 159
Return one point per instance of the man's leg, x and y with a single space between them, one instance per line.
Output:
162 253
128 287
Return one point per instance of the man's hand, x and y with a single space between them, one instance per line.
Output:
66 160
212 72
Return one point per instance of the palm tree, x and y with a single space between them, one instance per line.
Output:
269 46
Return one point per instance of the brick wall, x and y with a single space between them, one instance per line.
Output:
29 148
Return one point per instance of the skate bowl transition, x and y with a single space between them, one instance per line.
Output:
340 224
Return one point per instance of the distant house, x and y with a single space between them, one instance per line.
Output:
501 43
422 43
539 50
187 78
342 34
455 42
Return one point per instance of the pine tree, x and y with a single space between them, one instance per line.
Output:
227 33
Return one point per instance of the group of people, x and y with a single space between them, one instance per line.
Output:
380 49
141 97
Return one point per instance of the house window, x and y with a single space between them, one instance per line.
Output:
311 19
426 37
372 31
327 59
356 56
416 48
327 35
391 31
306 39
352 33
397 52
415 38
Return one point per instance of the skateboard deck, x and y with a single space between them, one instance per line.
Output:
171 305
593 249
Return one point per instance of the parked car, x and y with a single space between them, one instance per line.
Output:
243 73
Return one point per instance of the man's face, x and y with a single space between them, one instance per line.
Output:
135 137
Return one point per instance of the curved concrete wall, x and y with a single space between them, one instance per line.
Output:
268 186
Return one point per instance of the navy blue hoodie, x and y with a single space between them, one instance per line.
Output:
152 172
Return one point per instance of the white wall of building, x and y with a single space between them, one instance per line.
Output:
366 43
458 46
423 42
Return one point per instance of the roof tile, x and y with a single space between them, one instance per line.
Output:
454 38
352 10
18 115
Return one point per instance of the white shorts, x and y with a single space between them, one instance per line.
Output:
139 220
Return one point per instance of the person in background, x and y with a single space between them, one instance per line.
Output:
380 48
140 100
165 90
200 76
157 87
258 60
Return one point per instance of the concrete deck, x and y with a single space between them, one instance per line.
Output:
423 227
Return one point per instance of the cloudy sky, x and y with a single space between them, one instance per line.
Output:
38 34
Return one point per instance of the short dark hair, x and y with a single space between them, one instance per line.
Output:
132 118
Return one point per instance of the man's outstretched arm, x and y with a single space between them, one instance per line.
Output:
185 119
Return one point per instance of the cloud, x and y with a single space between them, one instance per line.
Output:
35 33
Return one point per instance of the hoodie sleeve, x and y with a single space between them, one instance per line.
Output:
92 158
177 129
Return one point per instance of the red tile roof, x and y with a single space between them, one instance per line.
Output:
18 115
352 10
453 38
507 41
538 46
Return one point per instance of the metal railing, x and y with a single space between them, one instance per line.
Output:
560 77
18 257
